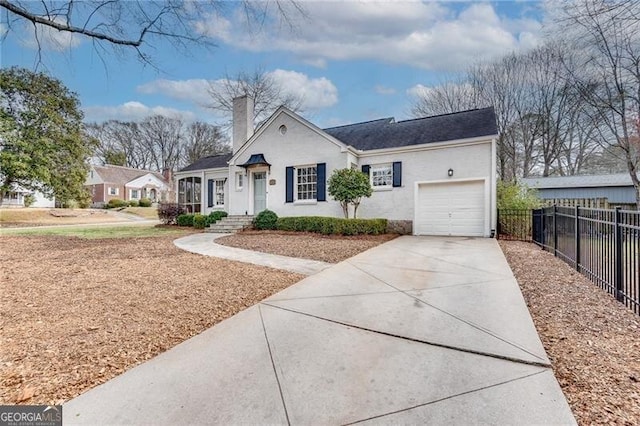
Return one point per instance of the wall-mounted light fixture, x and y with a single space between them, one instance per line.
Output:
450 172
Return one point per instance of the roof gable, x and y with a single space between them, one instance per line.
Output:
387 133
147 179
120 175
294 116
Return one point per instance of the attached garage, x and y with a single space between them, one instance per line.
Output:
456 208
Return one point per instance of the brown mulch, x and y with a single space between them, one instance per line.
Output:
74 313
592 340
307 245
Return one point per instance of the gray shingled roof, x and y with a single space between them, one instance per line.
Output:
120 175
618 179
210 162
386 133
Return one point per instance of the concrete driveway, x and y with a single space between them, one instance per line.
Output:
417 330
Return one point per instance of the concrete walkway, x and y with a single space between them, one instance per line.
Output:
204 244
420 330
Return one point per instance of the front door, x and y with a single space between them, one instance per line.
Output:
259 192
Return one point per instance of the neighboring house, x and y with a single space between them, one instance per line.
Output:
116 182
436 173
15 198
596 190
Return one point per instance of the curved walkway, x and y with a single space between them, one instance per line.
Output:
204 244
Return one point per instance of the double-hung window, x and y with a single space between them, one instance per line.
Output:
382 176
306 183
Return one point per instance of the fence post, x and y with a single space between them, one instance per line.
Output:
555 230
618 255
577 228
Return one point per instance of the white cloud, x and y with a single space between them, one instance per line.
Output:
133 111
426 35
192 90
316 93
49 38
418 91
383 90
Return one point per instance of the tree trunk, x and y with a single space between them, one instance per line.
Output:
345 209
355 209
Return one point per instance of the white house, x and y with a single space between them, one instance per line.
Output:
437 173
16 198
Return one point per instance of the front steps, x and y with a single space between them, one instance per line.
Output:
230 224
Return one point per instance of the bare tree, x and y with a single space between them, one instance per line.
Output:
138 24
609 35
201 140
267 94
162 137
454 94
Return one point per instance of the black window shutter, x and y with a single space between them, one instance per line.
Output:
365 169
321 175
289 185
397 174
210 193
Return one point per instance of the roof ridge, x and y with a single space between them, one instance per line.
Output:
362 122
127 168
445 114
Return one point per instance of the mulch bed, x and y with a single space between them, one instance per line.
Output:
74 313
592 340
307 245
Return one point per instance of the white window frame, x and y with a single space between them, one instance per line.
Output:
137 194
114 191
239 181
218 189
385 180
312 190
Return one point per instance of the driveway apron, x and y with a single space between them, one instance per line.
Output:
417 330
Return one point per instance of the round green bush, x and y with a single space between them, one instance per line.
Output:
185 220
144 202
199 221
266 219
115 203
133 203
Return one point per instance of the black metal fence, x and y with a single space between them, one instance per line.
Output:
602 244
515 225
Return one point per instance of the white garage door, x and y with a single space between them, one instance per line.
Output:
450 208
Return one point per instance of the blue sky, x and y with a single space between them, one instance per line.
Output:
351 61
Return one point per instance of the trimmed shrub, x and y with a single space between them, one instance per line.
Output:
332 225
185 220
133 203
215 216
169 212
116 203
266 219
144 202
199 221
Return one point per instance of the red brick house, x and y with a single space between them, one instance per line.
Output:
116 182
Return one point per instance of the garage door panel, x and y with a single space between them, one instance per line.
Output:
451 208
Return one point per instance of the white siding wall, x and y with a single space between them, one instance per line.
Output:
299 146
469 161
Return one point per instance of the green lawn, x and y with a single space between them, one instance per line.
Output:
95 232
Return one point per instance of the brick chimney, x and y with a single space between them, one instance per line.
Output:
166 174
242 120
